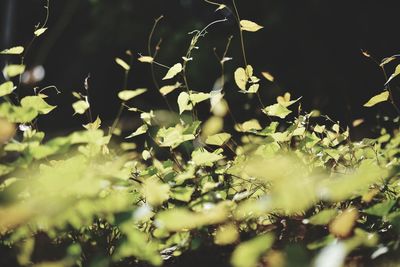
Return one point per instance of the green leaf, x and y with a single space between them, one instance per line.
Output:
241 78
94 125
129 94
323 217
17 50
226 234
146 59
382 97
6 88
202 157
394 75
182 193
188 101
14 70
248 253
183 102
181 219
155 192
277 110
141 130
123 64
17 114
39 32
250 26
173 71
218 139
37 103
174 136
248 126
80 107
165 90
253 88
381 209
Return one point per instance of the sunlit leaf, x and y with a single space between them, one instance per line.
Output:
39 32
218 139
37 103
186 101
277 110
382 97
226 234
394 75
122 64
146 59
80 106
93 125
268 76
6 88
343 224
13 70
141 130
126 95
155 192
17 50
253 88
323 217
387 60
202 157
7 131
357 122
182 193
248 254
250 26
165 90
173 71
241 78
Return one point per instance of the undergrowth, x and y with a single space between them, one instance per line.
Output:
288 188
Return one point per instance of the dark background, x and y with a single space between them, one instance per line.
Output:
312 47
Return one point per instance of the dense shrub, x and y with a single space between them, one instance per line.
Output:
285 188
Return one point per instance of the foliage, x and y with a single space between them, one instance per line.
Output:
269 189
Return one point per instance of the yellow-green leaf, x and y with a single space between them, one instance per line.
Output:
80 107
39 32
253 88
277 110
141 130
6 88
218 139
394 75
202 157
165 90
37 103
155 192
173 71
241 78
248 253
13 70
17 50
268 76
226 234
129 94
382 97
123 64
94 125
250 26
146 59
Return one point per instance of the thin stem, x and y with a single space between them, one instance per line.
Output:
382 67
241 33
121 108
154 55
390 91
